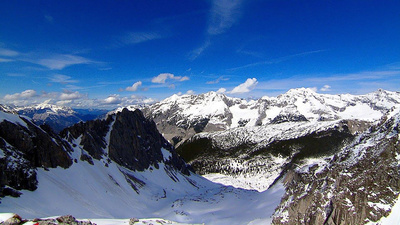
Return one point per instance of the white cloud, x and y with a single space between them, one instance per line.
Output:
66 95
184 78
62 79
325 88
134 87
190 92
60 61
112 99
163 77
245 87
23 95
221 90
224 13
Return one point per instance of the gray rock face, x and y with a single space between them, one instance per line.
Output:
92 134
133 142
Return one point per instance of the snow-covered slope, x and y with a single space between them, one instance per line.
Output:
155 182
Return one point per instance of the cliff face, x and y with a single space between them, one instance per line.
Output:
359 184
127 138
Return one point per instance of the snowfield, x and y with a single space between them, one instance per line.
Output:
87 191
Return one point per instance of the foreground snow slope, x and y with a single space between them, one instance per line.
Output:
87 191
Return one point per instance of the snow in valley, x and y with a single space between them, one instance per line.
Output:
87 191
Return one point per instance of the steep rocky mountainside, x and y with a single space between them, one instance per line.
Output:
180 117
126 138
359 184
57 117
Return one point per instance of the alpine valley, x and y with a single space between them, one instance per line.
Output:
299 158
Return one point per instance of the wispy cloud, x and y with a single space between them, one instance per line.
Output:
277 60
49 18
198 51
62 79
60 61
6 60
139 37
8 52
222 16
219 79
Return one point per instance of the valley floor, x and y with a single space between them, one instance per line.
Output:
87 191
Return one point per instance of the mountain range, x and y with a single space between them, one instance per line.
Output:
299 158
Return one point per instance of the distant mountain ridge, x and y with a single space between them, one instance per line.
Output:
180 117
57 117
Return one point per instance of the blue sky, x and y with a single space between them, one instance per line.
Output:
111 53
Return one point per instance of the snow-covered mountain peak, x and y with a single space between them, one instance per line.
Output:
47 107
214 111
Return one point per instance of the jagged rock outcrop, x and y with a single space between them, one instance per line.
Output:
92 136
361 183
127 138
